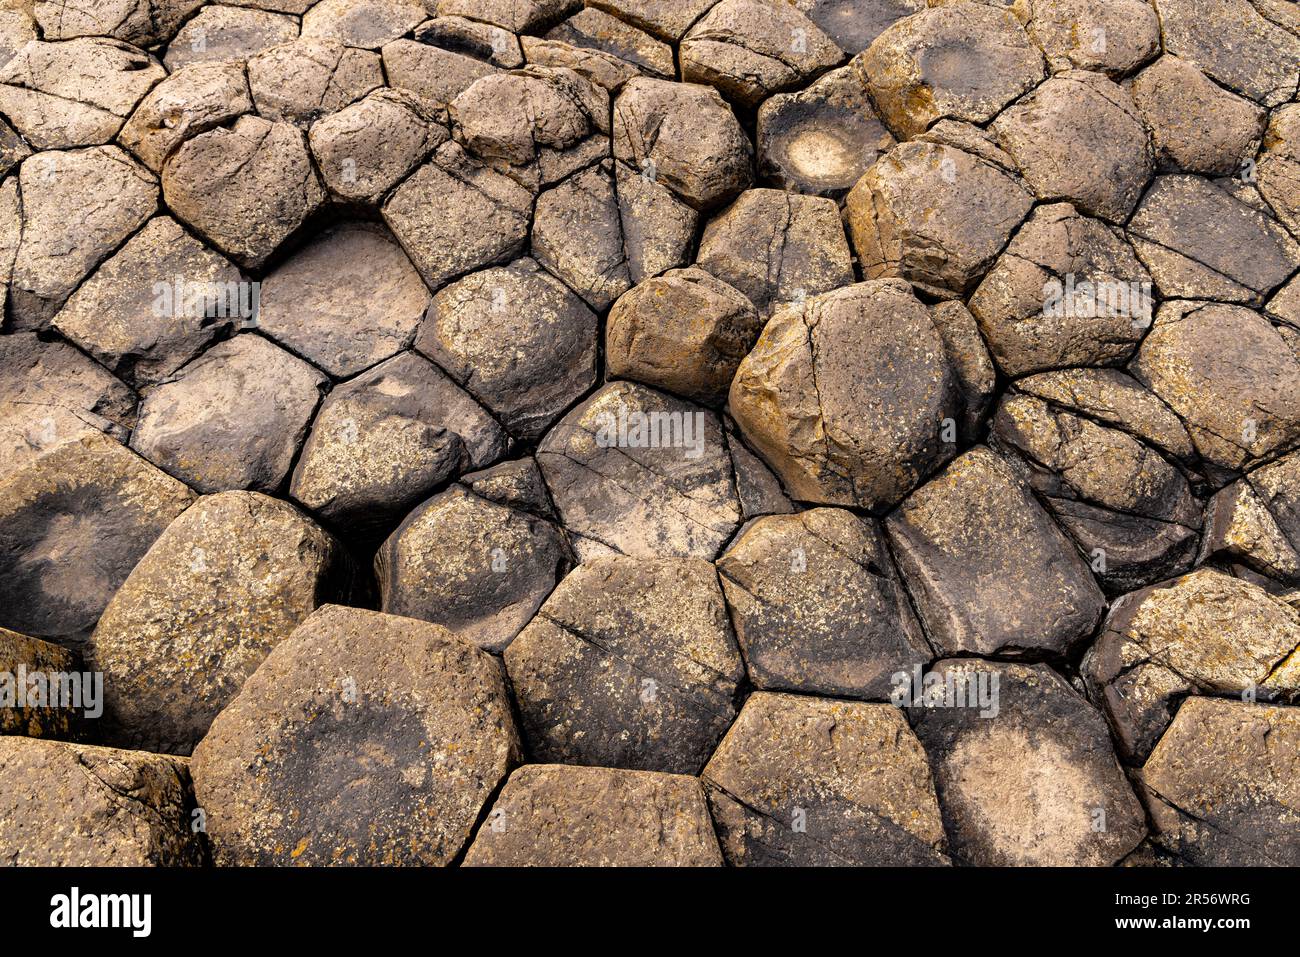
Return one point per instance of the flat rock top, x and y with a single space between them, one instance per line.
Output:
601 432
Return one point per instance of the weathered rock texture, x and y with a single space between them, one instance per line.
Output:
745 432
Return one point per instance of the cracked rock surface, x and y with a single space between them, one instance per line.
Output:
651 432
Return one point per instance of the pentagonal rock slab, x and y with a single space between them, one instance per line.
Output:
362 739
683 136
1067 291
1113 398
453 215
658 228
73 523
366 149
595 30
1024 767
141 22
634 471
845 395
478 568
553 815
1235 44
135 318
1198 126
247 188
578 235
1230 377
802 781
348 300
191 101
217 591
303 80
385 440
51 393
116 196
1201 242
629 664
1130 511
1203 633
1114 37
989 571
818 606
537 124
221 33
233 418
1078 137
518 339
75 93
367 24
1257 520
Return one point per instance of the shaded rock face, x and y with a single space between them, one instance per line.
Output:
785 791
821 140
1204 633
1221 784
1025 775
629 664
846 394
73 805
989 570
564 816
234 574
73 523
362 739
636 472
477 567
818 606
